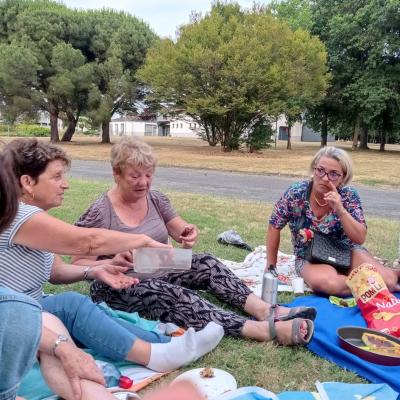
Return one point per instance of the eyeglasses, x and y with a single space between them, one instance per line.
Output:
333 176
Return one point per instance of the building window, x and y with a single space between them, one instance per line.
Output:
194 126
173 125
116 129
122 129
150 130
181 126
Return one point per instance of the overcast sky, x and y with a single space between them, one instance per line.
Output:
163 16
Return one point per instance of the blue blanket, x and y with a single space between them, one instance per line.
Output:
325 342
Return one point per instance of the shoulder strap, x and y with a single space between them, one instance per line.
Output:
302 220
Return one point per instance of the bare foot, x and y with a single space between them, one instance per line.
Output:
284 332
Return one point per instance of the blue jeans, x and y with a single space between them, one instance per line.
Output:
92 328
20 330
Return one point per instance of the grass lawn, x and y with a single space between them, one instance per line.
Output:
371 167
252 363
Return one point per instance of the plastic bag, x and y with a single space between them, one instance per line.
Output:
379 307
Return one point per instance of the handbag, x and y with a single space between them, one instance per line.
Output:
323 249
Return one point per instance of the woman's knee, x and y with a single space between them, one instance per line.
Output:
20 331
330 285
68 306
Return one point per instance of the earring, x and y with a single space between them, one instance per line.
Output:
28 196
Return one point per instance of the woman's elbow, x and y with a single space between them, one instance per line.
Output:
82 244
360 238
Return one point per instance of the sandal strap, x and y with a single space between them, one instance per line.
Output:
273 312
271 327
296 335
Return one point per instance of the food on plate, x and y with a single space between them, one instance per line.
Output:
207 373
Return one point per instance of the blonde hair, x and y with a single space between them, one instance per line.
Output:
341 156
134 152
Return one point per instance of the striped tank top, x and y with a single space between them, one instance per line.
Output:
23 269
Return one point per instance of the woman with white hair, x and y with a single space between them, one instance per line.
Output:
132 206
325 204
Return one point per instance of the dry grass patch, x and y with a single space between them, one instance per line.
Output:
371 167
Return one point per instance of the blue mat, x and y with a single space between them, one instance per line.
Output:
325 342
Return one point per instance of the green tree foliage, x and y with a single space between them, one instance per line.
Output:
363 42
231 69
297 13
118 46
69 62
259 136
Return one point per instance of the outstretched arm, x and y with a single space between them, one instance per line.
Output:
112 275
44 232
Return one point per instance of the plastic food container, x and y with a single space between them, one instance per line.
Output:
149 260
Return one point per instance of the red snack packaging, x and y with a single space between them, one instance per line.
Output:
379 307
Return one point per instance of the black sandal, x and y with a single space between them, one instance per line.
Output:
295 312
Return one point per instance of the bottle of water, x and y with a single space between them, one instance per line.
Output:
113 376
269 291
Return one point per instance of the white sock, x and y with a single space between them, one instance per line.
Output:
183 350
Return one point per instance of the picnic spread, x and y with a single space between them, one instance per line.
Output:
336 317
334 313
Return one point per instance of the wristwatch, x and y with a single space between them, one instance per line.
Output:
60 339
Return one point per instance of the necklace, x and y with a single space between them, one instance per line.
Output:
320 204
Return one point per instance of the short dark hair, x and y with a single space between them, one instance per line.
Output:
8 193
31 157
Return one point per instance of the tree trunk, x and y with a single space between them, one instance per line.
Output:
356 133
382 138
364 137
289 137
324 129
105 132
53 123
69 132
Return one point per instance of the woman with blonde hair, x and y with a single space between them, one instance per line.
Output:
325 204
131 206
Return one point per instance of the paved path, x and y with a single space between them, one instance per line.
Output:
268 188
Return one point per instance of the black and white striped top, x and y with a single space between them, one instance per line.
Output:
23 269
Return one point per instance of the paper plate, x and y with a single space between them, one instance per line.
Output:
210 388
124 395
350 340
251 392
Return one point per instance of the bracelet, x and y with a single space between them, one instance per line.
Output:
340 215
60 339
86 273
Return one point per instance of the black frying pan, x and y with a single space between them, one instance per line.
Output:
350 340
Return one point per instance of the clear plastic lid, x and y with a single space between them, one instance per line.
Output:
149 260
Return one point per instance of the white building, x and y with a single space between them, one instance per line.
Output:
182 126
300 132
133 126
44 119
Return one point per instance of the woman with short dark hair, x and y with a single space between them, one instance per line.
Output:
27 262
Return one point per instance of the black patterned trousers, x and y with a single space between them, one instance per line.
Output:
171 298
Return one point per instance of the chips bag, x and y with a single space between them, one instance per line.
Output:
379 307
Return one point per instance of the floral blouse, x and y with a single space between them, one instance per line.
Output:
294 209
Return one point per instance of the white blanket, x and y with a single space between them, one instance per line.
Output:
251 270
